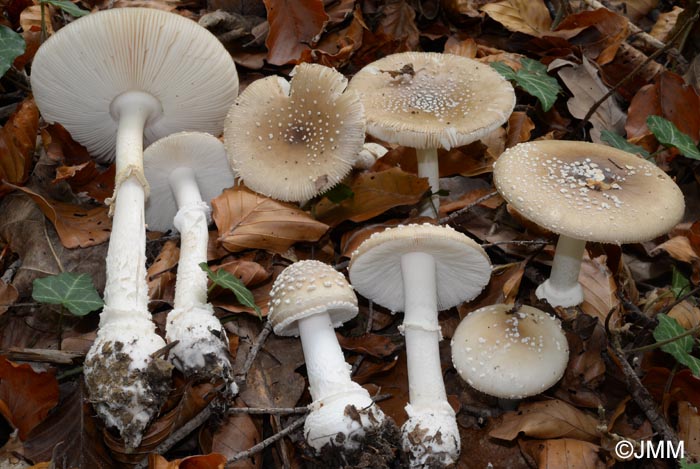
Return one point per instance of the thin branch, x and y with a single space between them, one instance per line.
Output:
268 441
257 345
534 242
661 343
464 210
268 410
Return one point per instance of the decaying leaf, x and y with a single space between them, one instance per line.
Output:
294 25
371 344
160 276
208 461
523 16
17 140
564 453
689 429
8 295
247 220
236 433
599 289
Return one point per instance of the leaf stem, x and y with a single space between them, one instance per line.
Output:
656 345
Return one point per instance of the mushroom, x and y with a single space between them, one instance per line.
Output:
294 140
369 155
510 352
422 269
183 169
114 79
309 299
426 100
585 192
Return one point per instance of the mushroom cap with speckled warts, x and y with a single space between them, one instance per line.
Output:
80 70
203 153
462 267
588 191
510 355
431 100
294 140
306 288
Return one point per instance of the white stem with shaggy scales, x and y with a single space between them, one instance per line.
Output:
428 168
563 288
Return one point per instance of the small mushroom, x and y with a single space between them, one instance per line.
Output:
585 192
426 100
294 140
186 170
510 352
115 79
309 299
422 269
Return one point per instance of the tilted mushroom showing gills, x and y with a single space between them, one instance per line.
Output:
114 79
183 169
426 100
294 140
585 192
422 269
309 299
510 354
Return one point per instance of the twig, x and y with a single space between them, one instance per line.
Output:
661 343
10 272
647 39
161 352
534 242
680 300
464 210
257 345
268 410
267 442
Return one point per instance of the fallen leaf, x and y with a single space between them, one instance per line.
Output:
375 345
466 47
160 276
503 287
374 193
545 420
689 429
684 386
26 397
687 315
665 24
17 141
250 273
520 127
599 289
294 25
599 33
209 461
247 220
398 24
236 433
564 453
679 248
523 16
336 48
392 378
8 295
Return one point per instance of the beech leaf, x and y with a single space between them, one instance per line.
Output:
681 347
17 140
522 16
294 24
11 46
75 292
668 134
532 78
230 282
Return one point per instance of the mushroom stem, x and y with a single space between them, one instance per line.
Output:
562 288
428 168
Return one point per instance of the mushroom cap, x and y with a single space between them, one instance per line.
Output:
510 355
294 140
80 70
306 288
462 267
431 100
588 191
203 153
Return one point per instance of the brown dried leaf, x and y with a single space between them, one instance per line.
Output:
8 295
250 273
504 285
209 461
665 24
547 419
689 429
398 24
26 397
247 220
374 193
17 141
687 315
393 380
161 280
523 16
378 346
465 48
684 386
564 453
520 127
237 433
599 33
294 25
336 48
599 289
679 248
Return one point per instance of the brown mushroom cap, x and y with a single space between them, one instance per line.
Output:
588 191
294 140
431 100
306 288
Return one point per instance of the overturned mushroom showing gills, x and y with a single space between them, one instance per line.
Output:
115 79
294 140
186 170
585 192
309 299
426 100
422 269
510 354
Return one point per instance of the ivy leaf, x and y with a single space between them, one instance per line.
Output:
532 78
11 46
621 143
75 292
679 283
680 348
668 134
69 7
231 282
338 193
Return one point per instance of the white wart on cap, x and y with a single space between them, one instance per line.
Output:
78 72
462 267
431 100
203 153
510 355
294 140
588 191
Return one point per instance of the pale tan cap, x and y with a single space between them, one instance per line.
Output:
588 191
510 355
306 288
80 70
462 267
431 100
294 140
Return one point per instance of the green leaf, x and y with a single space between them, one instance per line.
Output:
338 193
11 46
680 284
231 282
680 348
75 292
688 465
668 134
621 143
69 7
532 78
